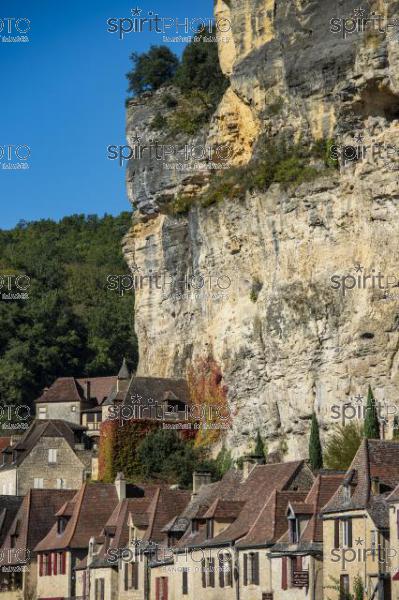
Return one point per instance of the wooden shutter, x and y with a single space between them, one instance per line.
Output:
203 573
40 565
55 560
102 584
96 589
349 533
185 581
165 588
126 583
299 563
256 568
212 572
63 563
245 569
336 533
157 588
135 576
221 571
284 578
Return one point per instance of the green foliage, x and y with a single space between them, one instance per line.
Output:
371 423
152 69
224 461
315 452
395 432
358 588
164 455
159 122
343 445
275 107
256 288
70 325
259 445
276 162
200 70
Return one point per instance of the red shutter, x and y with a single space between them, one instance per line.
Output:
63 563
165 588
40 565
55 560
299 563
284 584
48 567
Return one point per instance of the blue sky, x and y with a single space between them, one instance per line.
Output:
63 96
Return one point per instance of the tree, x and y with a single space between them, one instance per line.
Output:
152 69
260 446
395 432
343 445
371 423
200 69
315 452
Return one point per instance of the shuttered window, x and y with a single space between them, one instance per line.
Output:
135 575
245 569
284 574
203 573
336 533
185 581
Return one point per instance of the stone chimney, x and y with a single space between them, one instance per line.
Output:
200 478
250 462
120 484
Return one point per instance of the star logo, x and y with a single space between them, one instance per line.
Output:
359 12
359 541
358 268
136 139
135 268
358 137
358 399
136 11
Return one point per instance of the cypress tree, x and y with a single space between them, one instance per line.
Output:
315 453
259 446
371 423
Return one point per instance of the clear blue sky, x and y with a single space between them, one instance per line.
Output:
63 95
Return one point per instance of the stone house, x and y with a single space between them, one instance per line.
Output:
296 559
24 528
50 455
356 523
206 562
116 565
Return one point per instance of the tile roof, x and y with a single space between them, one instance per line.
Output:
41 428
151 390
253 492
34 519
9 506
93 504
70 389
374 459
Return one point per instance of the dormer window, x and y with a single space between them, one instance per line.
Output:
294 529
194 526
61 524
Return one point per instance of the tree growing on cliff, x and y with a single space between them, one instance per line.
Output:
260 448
343 445
371 423
151 69
315 452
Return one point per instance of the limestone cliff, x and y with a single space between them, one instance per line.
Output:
287 341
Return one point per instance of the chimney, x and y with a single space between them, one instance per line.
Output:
375 486
120 484
249 463
88 390
200 478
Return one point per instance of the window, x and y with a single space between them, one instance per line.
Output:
42 412
161 588
185 581
38 483
343 587
99 589
346 533
208 572
194 526
61 524
131 576
251 568
225 570
52 456
61 562
61 484
209 528
294 531
373 543
73 409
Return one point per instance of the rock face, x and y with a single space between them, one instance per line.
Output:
272 310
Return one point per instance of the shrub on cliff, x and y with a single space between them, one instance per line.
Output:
343 445
152 69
